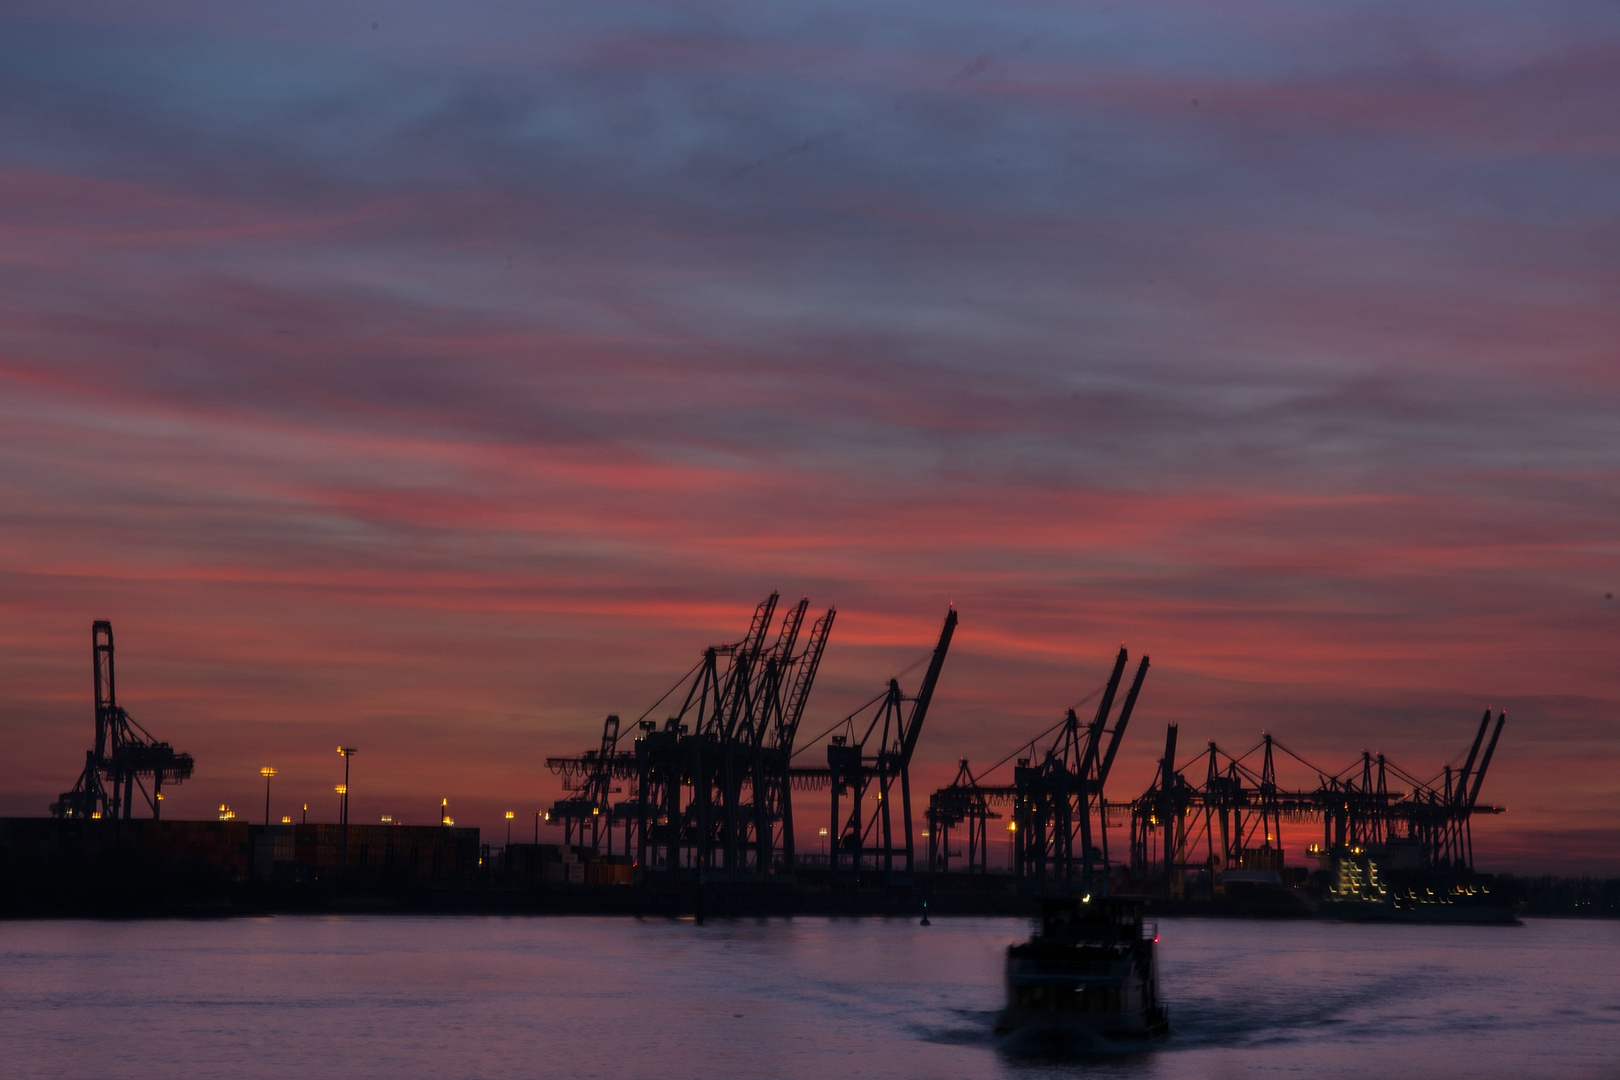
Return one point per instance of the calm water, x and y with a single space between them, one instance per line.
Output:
495 997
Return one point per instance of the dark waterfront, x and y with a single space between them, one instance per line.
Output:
806 997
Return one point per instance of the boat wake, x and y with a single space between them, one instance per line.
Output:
1056 1044
1027 1045
972 1027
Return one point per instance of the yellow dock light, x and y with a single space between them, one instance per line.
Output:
267 772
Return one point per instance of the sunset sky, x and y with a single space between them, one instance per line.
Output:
437 379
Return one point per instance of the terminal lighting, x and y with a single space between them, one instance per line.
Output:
346 752
267 772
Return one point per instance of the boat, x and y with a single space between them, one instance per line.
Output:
1089 973
1392 882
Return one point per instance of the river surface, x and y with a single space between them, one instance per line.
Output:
441 997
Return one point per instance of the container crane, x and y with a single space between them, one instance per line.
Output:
854 772
125 753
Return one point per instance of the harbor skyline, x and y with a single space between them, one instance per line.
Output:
436 384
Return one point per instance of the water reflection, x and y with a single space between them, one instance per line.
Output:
812 998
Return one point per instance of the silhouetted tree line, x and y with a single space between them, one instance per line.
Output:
1567 896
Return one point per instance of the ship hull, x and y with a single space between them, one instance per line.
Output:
1363 911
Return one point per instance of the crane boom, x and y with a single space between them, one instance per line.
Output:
809 661
925 693
1485 763
1124 719
1468 763
736 697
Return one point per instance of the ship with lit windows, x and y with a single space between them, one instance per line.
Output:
1396 882
1089 973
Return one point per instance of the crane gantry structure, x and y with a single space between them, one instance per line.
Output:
1233 820
710 790
1056 802
124 752
866 838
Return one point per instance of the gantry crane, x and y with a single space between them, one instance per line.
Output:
962 803
1054 800
880 767
124 752
710 790
1234 819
